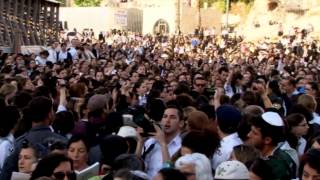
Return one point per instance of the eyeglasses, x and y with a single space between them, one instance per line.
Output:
61 175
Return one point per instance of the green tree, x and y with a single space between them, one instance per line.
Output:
87 3
245 1
210 2
221 4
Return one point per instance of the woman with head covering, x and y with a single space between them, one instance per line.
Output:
195 166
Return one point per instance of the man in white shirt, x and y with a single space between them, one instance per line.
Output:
41 60
156 151
228 118
74 53
72 50
53 52
63 54
88 52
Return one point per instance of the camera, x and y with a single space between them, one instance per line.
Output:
139 118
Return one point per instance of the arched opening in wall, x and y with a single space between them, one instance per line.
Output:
273 4
161 27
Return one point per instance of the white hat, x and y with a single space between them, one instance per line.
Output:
272 118
165 56
127 131
232 170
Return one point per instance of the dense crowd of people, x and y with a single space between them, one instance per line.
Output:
196 107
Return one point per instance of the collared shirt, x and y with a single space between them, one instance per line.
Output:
284 146
283 153
295 92
40 61
302 143
153 159
52 55
6 147
316 119
289 150
73 53
226 147
229 91
61 108
62 56
142 100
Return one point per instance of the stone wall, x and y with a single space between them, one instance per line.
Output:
139 19
209 18
100 19
290 13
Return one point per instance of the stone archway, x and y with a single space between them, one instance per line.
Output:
161 26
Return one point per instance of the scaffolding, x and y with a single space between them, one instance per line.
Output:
31 22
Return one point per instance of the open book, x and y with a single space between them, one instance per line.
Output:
20 176
89 172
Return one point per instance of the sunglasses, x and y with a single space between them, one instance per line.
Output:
61 175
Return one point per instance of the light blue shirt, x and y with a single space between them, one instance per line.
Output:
6 148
